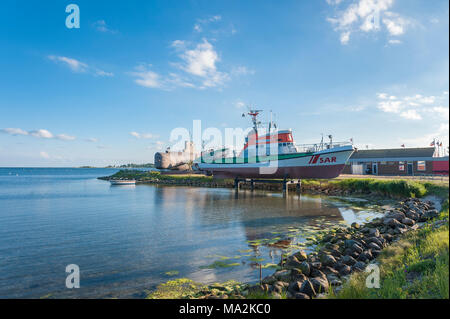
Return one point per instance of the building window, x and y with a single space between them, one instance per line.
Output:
421 166
401 166
383 163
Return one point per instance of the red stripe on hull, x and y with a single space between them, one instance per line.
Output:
323 171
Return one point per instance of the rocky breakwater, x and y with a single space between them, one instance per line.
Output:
342 252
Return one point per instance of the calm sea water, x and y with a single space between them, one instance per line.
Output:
128 239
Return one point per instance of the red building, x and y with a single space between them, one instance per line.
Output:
397 162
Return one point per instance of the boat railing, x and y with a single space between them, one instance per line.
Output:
320 146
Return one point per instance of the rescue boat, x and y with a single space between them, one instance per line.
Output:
275 155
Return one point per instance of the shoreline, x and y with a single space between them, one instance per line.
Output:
386 188
341 253
315 275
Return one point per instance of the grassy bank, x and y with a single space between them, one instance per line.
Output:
382 187
417 266
155 176
368 186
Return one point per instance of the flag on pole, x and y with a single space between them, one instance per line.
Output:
432 143
403 145
440 144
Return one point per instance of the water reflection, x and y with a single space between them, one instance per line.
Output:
125 239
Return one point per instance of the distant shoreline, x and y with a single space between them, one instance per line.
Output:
83 167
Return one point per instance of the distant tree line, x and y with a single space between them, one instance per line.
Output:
132 165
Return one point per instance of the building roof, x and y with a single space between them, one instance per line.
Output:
393 154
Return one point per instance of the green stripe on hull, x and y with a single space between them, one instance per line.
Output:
257 159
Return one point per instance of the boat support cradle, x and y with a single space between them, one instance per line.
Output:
285 182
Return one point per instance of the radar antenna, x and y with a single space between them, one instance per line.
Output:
254 115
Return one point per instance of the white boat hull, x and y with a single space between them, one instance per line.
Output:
122 182
323 164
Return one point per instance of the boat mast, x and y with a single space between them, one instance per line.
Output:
254 114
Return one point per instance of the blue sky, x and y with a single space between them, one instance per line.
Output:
111 91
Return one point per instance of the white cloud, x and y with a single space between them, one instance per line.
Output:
197 28
394 41
201 23
143 135
198 69
73 64
91 140
239 104
441 111
14 131
41 133
178 44
198 65
101 26
434 20
411 115
241 70
367 16
146 77
418 99
156 146
413 107
334 2
355 108
65 137
345 37
103 73
394 23
44 154
201 62
179 81
390 106
78 66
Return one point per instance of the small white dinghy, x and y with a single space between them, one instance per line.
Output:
122 182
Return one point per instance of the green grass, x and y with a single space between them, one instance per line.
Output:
157 176
220 264
184 288
172 273
176 289
384 187
439 190
417 266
